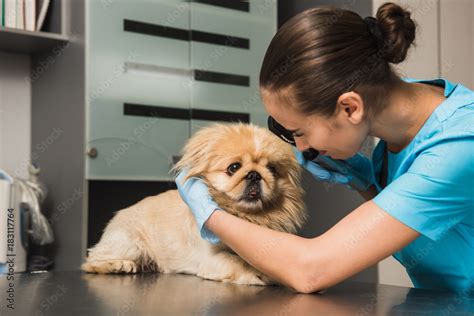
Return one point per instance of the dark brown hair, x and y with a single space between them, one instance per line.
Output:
325 51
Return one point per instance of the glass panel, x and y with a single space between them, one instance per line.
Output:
259 26
133 67
131 147
110 49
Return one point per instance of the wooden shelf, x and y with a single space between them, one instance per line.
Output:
28 42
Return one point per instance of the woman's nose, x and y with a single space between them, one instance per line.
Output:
301 144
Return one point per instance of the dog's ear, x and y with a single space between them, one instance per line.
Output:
196 151
294 170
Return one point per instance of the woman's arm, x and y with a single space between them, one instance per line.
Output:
362 238
275 253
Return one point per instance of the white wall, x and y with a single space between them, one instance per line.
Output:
457 44
444 48
15 113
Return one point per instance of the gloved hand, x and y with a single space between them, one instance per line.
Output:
195 194
358 163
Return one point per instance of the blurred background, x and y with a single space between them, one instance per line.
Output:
101 95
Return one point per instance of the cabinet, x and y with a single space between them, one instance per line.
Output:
159 70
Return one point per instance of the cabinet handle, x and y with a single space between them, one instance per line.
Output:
132 67
92 152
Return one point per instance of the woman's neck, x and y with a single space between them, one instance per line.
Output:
407 110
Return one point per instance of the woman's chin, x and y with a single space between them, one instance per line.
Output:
333 155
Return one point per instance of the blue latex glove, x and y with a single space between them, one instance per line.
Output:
358 162
318 172
195 194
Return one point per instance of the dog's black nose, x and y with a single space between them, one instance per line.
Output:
254 176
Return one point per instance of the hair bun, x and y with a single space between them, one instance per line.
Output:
398 31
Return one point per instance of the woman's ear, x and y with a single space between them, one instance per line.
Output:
351 106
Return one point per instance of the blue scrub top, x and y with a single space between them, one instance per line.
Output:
430 188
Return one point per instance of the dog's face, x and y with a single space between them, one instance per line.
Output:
247 168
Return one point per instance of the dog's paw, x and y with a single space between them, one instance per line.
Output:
110 266
267 280
249 278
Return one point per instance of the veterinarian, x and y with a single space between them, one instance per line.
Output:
327 77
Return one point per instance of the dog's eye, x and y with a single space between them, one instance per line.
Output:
233 168
272 169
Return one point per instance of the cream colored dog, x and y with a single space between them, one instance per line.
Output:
250 173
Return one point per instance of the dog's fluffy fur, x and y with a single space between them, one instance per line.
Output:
159 233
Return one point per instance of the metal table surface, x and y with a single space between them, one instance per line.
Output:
77 293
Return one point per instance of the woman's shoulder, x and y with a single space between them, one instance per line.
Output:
452 121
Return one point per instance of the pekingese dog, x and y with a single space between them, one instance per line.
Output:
250 173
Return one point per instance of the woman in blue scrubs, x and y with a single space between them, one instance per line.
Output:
327 76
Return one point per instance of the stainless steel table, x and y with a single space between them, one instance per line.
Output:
76 293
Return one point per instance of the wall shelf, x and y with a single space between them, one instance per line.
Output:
28 42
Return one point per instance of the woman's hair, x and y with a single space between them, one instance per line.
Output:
325 51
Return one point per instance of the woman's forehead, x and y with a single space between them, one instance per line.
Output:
282 110
284 95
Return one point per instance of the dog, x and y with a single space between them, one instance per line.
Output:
250 173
